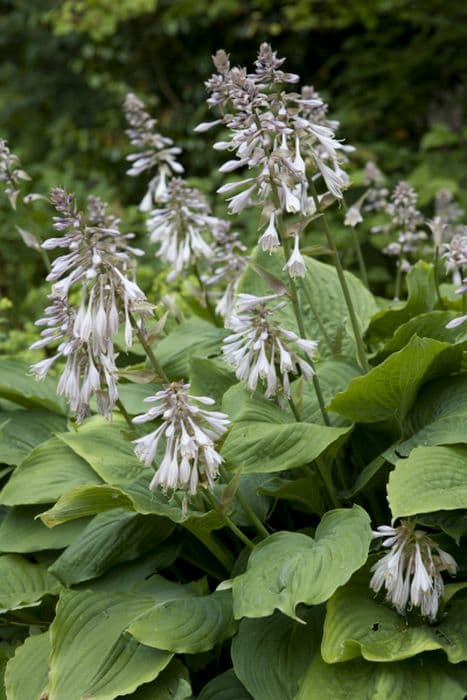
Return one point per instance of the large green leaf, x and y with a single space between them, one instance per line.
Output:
416 679
210 378
132 396
289 568
429 479
224 687
172 684
23 584
264 439
102 445
50 470
17 385
84 501
306 492
110 538
421 298
26 673
21 532
271 655
188 625
91 656
191 338
22 430
389 390
358 625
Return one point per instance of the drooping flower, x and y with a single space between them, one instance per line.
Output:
260 349
353 216
188 432
411 571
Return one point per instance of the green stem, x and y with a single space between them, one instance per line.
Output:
228 521
359 254
318 318
214 546
397 291
248 510
436 270
294 410
148 350
345 289
327 481
125 414
205 294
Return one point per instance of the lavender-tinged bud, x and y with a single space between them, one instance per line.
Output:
189 433
411 571
261 349
11 175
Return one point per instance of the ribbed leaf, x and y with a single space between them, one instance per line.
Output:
26 673
18 386
91 656
290 568
50 470
358 625
172 684
431 478
23 584
20 431
21 532
224 687
191 338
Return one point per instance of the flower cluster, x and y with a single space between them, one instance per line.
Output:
261 349
411 571
227 263
155 151
97 262
11 175
283 138
189 432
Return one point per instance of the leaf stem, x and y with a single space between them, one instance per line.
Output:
228 521
248 509
125 414
436 271
211 543
148 350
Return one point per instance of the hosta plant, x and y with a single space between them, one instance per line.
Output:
255 485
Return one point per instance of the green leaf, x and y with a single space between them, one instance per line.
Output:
416 679
270 655
84 501
17 385
265 439
210 378
132 396
224 687
191 338
102 445
91 656
188 625
290 568
172 684
22 533
431 478
20 431
27 672
50 470
357 624
23 584
110 538
421 298
389 390
303 491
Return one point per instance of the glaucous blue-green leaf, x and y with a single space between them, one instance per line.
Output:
438 417
173 683
429 479
26 674
388 391
289 568
258 443
91 656
23 584
357 624
103 446
188 625
194 337
420 678
271 655
110 538
22 533
48 471
421 299
22 430
224 687
17 385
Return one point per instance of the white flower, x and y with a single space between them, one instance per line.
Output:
270 239
353 217
189 432
295 265
260 349
411 571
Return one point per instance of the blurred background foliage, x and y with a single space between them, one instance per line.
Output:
393 71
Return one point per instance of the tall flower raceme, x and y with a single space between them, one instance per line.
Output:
411 571
261 350
11 174
282 138
97 264
155 152
188 432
